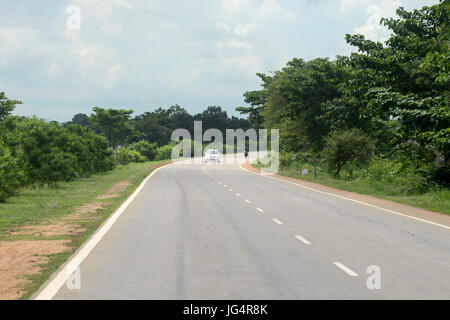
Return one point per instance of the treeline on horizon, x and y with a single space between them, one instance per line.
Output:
381 113
120 128
38 152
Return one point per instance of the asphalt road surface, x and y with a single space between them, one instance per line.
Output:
218 232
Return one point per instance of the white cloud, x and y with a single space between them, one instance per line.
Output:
234 5
102 13
263 16
232 43
111 29
368 31
97 59
222 26
53 69
381 9
249 63
243 30
21 43
86 54
346 5
112 75
101 8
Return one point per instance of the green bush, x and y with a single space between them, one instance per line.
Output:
164 152
404 180
347 147
126 155
91 149
286 159
48 153
36 145
145 148
11 174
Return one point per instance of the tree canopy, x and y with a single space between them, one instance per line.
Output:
395 92
7 105
113 123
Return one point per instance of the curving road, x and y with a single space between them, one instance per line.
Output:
219 232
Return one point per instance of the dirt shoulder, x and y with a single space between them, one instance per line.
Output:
420 213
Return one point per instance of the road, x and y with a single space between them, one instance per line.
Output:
218 232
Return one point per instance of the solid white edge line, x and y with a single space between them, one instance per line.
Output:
349 271
360 202
302 239
260 210
52 288
277 221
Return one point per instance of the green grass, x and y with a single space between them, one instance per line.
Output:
436 199
40 205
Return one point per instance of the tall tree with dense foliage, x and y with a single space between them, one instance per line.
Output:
114 124
294 101
148 127
412 83
213 117
347 146
395 92
7 105
81 119
256 99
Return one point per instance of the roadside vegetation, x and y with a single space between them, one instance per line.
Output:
35 152
379 179
375 122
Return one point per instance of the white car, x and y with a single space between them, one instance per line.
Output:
212 155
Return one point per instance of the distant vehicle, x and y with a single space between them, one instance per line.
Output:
212 155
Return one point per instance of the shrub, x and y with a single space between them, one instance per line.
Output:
403 180
48 153
286 159
347 147
145 148
164 152
125 156
11 173
41 156
93 153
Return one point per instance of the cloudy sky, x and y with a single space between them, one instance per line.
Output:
143 54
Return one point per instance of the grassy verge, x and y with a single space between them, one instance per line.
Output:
436 199
37 206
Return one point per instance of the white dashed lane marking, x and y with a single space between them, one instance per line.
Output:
347 270
302 239
277 221
341 266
